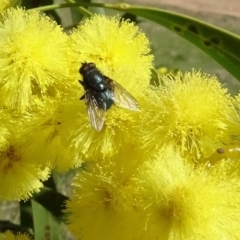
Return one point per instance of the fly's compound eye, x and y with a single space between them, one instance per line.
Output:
83 68
86 67
91 65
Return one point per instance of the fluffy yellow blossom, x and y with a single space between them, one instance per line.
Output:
8 235
4 4
120 131
192 112
121 52
44 136
33 58
230 151
20 176
105 201
236 128
74 139
119 49
167 198
183 203
58 133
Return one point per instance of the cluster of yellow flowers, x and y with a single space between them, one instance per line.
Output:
151 174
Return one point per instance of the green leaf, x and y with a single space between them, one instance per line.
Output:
26 220
53 201
221 45
45 224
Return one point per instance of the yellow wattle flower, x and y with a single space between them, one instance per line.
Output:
166 198
105 195
5 4
192 112
119 49
33 58
121 52
185 202
44 136
20 176
116 135
230 151
57 133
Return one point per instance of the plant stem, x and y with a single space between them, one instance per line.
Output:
84 4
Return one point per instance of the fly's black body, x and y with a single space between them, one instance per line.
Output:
101 93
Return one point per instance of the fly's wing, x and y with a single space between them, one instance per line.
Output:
122 97
96 115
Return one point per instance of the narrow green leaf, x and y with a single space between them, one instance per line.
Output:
52 201
221 45
45 224
26 220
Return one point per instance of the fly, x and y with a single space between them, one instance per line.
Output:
101 92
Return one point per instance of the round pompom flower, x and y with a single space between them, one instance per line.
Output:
20 176
118 48
105 196
58 133
44 134
33 59
184 202
192 112
4 4
119 131
236 128
231 150
166 198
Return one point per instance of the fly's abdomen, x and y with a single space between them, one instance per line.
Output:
104 99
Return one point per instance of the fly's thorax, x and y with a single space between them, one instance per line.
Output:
95 80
